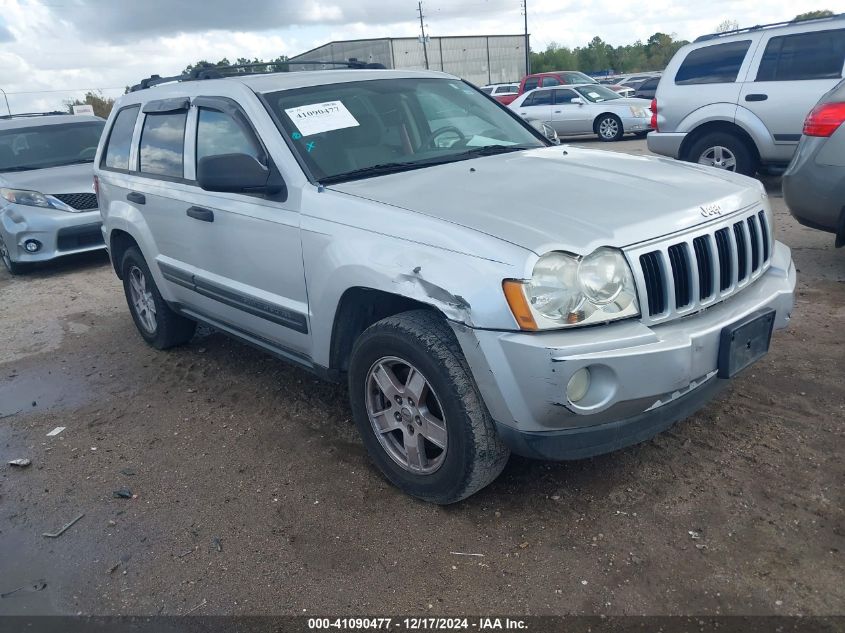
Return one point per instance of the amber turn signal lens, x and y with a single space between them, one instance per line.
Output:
518 302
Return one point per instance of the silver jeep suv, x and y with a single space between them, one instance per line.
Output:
48 207
393 229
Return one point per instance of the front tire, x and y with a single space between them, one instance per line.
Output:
419 412
723 151
609 128
157 323
14 268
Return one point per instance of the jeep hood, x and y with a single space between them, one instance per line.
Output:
564 198
65 179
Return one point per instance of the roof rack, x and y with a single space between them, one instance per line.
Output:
760 27
24 115
239 70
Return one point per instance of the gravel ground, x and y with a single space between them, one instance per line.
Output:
251 493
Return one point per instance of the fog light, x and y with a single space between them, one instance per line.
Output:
32 245
578 385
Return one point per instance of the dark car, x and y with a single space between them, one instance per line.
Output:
647 89
814 183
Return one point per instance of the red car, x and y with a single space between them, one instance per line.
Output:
558 77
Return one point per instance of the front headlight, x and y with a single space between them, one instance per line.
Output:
567 290
34 199
640 113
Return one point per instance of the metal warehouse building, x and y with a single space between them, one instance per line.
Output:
481 59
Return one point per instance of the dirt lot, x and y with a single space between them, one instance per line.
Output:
252 493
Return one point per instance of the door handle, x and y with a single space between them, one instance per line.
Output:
756 97
137 198
523 114
557 111
198 213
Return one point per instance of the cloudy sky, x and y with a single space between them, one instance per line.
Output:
52 50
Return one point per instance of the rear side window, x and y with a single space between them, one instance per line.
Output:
539 98
218 133
163 143
717 64
816 55
120 139
531 83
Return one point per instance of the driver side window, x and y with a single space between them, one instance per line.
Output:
218 133
564 97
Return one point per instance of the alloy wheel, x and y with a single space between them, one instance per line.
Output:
406 415
608 128
143 301
718 156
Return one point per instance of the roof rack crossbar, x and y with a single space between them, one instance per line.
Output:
219 72
25 115
759 27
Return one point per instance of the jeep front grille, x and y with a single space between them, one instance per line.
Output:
684 274
79 201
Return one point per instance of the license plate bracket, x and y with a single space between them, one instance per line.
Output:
745 342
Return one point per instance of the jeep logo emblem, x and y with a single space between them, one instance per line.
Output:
710 210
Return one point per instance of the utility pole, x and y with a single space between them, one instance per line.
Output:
422 32
527 49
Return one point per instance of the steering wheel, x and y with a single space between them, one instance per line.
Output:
429 141
88 152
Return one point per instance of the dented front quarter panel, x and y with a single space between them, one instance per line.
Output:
350 242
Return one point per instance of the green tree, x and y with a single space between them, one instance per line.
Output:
102 105
811 15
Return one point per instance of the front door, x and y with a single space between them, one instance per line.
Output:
568 117
247 265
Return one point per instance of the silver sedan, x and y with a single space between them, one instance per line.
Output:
584 109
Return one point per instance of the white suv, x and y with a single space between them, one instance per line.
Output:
738 100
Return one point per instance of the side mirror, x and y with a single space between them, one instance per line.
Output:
237 173
577 100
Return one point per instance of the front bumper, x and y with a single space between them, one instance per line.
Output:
666 143
646 377
58 232
636 124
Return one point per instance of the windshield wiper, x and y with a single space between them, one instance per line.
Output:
392 168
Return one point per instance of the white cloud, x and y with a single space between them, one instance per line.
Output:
112 44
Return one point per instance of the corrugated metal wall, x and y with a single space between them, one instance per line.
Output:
480 59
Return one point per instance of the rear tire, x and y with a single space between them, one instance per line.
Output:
157 323
723 150
464 453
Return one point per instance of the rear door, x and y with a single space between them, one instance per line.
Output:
568 117
707 76
793 71
537 107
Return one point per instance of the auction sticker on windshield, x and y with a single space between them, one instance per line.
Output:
321 117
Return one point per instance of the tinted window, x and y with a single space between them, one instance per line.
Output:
162 144
531 83
120 139
550 81
578 78
487 89
540 98
715 64
816 55
564 96
650 84
218 133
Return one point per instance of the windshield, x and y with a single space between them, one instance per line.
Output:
575 77
52 145
357 129
597 93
